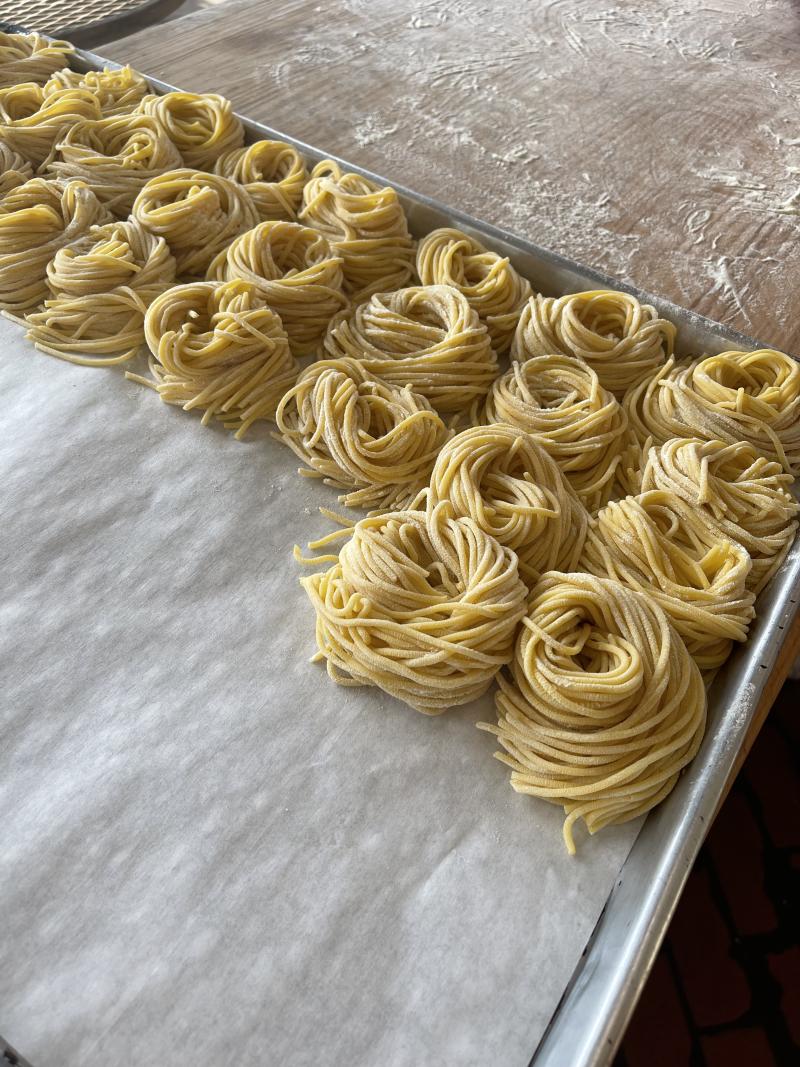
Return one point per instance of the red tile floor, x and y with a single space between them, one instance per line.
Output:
725 989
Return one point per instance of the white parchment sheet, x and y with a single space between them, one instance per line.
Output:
209 851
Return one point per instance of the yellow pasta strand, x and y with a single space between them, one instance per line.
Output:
14 170
202 126
31 123
272 172
119 91
28 57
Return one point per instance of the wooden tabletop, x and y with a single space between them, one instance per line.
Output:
650 141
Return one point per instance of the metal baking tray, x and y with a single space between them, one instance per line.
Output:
602 993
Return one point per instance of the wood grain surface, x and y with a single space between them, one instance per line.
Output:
650 141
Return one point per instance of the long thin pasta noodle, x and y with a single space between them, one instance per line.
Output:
427 337
202 126
580 424
375 440
743 494
14 170
422 605
28 57
603 707
503 478
296 272
366 226
119 91
116 157
622 340
31 123
36 219
731 397
100 287
197 214
488 281
274 174
656 543
218 349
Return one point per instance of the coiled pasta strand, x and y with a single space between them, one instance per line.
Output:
118 91
272 172
28 57
31 123
202 126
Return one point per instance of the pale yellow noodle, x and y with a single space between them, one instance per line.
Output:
366 226
296 272
100 287
27 57
220 350
31 123
36 219
744 495
488 281
427 337
502 477
118 91
272 172
422 605
14 170
115 156
621 339
197 214
202 126
603 708
580 424
375 440
658 544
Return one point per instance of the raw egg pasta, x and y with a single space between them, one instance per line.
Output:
31 123
28 57
119 92
272 172
202 126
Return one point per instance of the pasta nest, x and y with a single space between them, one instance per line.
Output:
119 92
366 225
488 281
503 478
272 172
427 337
31 123
743 494
27 57
219 349
656 543
197 214
116 156
375 440
621 339
100 288
604 706
580 424
730 397
202 126
296 272
422 605
14 170
36 219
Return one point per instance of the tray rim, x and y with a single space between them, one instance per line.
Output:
590 1020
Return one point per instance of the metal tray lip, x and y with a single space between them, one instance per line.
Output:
588 1033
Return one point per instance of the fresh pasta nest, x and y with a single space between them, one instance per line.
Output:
14 170
731 397
272 172
28 57
580 424
197 214
366 226
218 349
657 544
31 123
375 440
201 125
100 287
621 339
422 605
603 707
503 479
742 494
425 336
36 219
295 271
119 92
116 157
488 281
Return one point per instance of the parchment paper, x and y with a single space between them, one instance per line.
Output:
210 852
